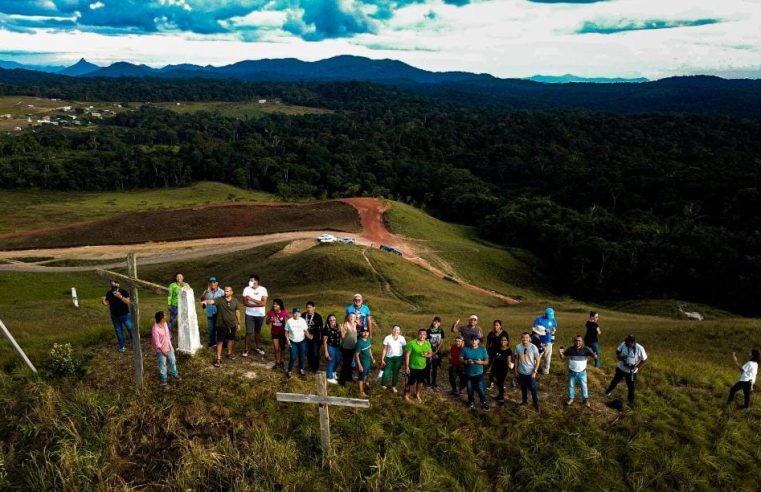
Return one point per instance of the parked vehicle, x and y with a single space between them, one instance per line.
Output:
347 240
326 238
389 249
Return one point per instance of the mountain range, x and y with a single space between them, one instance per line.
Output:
343 67
685 94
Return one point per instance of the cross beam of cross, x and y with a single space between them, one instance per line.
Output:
323 400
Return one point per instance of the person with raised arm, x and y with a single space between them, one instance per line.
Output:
748 373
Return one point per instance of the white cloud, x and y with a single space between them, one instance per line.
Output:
508 38
97 5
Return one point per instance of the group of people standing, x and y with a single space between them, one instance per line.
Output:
346 346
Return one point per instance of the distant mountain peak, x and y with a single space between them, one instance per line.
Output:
82 67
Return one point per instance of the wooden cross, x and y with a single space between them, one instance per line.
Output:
323 400
134 307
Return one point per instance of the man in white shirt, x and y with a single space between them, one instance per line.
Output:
255 299
631 356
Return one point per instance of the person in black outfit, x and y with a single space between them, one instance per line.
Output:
591 338
493 343
118 302
501 359
314 325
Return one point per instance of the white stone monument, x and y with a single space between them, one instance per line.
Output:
188 338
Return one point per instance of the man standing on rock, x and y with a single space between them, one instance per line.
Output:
211 293
255 300
118 302
548 323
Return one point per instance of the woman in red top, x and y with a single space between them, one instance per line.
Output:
276 318
456 367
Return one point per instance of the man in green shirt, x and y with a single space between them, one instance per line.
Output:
174 298
415 356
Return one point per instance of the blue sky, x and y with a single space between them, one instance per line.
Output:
508 38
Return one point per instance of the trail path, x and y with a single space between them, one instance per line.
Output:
374 233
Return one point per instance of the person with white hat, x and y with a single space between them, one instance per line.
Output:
467 331
365 318
546 326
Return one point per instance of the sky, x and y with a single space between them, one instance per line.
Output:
506 38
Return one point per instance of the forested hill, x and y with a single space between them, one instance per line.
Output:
617 206
697 94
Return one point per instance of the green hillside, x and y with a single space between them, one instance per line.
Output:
32 209
221 429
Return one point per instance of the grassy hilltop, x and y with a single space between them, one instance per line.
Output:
221 429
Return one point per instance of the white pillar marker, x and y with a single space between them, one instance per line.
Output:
188 337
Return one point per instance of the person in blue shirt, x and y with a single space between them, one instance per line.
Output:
475 358
211 293
365 319
547 326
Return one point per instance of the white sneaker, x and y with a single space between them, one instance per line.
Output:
260 351
333 381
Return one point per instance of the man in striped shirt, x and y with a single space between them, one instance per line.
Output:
577 368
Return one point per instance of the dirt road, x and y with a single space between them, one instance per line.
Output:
374 233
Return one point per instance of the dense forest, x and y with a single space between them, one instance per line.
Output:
617 205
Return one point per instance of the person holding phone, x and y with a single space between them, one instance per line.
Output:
475 358
631 356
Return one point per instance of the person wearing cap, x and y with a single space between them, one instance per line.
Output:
546 326
212 292
631 356
364 317
415 355
255 299
456 367
467 331
475 358
527 361
363 357
297 333
577 368
118 303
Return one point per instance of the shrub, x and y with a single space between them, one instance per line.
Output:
62 360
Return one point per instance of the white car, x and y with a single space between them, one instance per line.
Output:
347 240
326 238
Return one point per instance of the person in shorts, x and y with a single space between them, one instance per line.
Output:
228 321
255 299
415 355
363 356
276 318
